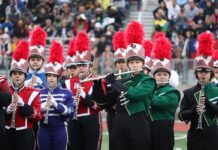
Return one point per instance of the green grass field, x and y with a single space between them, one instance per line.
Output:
180 141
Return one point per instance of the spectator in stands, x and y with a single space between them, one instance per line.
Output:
208 25
162 5
67 15
99 15
9 25
3 5
199 20
42 4
64 31
97 30
106 60
191 10
13 13
209 9
181 21
20 30
161 21
81 24
214 18
55 12
41 17
49 28
173 11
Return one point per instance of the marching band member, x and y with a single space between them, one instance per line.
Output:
56 104
119 45
5 100
72 72
70 64
215 67
36 75
165 99
148 47
87 126
24 109
131 129
199 103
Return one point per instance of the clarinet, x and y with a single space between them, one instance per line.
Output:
16 87
77 96
48 105
200 127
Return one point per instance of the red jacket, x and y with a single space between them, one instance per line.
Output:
72 84
31 99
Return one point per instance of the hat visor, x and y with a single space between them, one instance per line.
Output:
17 69
135 58
35 56
161 70
83 63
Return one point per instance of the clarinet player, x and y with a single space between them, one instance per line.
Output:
199 103
56 104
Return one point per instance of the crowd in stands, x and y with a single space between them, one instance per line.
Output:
62 19
182 21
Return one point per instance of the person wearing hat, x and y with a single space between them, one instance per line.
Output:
165 99
215 67
199 103
36 75
87 124
148 47
131 128
70 64
72 72
24 108
5 100
56 104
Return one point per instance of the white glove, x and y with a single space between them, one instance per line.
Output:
53 102
43 106
82 93
10 109
20 102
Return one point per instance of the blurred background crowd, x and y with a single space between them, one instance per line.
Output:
180 20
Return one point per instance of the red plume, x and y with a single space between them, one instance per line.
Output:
215 55
158 35
148 47
162 48
82 42
134 33
71 50
56 52
119 40
206 43
22 50
38 37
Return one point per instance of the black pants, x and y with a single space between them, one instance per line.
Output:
206 139
131 132
110 121
35 131
86 133
19 140
2 133
162 135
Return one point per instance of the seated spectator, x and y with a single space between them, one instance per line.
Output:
9 25
208 25
162 6
64 31
161 21
49 28
67 15
20 30
214 18
13 13
199 20
209 9
41 17
173 11
191 10
181 21
81 24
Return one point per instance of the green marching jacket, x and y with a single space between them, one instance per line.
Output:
139 92
164 103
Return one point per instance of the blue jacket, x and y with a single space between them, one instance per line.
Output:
58 116
41 79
